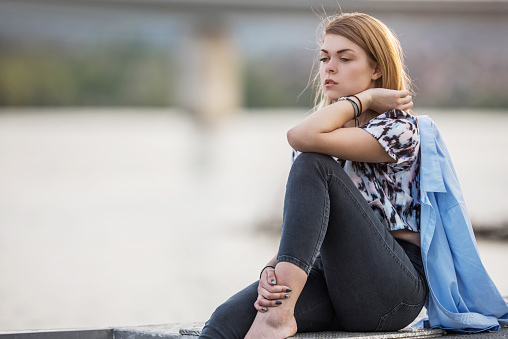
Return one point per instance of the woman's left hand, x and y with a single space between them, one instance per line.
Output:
269 293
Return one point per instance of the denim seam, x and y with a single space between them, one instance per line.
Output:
298 262
371 223
403 305
322 229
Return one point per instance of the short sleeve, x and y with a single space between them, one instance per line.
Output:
397 132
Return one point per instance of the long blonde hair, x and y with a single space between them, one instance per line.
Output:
378 41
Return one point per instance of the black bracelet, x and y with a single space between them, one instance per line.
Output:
360 102
260 274
355 105
355 108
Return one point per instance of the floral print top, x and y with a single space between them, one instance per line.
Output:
391 189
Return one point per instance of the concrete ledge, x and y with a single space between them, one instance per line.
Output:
192 330
171 331
404 333
107 333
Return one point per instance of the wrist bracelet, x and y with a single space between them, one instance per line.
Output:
359 101
355 108
264 268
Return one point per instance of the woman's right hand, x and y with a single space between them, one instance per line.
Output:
269 293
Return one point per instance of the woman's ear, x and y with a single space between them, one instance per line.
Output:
377 73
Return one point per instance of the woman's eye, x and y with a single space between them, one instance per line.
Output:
344 59
323 59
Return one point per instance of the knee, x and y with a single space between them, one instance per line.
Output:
311 157
312 162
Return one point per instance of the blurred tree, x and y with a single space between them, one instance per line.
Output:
277 82
106 75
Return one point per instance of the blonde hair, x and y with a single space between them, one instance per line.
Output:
378 41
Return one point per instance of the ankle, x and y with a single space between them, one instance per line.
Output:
279 317
276 323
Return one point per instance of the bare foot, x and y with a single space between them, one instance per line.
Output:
274 324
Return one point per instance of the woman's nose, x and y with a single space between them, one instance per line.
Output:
330 68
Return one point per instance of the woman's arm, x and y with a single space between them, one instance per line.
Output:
323 132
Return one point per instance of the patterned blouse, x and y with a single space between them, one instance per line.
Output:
391 189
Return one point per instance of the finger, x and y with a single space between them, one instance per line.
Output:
270 276
406 106
269 303
274 296
273 288
404 100
404 93
265 283
265 293
260 308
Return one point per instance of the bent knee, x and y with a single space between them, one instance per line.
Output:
313 162
312 157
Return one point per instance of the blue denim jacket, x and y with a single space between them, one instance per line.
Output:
462 297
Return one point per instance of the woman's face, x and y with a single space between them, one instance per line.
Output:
344 67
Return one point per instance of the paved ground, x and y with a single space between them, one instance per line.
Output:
190 331
139 217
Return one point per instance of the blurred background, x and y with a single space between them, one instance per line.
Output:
143 155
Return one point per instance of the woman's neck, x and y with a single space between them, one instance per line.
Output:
367 116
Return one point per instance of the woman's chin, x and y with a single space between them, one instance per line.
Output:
333 97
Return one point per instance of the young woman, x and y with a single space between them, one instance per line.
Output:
349 256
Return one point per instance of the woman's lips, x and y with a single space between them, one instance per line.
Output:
330 83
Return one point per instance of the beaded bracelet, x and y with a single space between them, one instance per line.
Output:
260 274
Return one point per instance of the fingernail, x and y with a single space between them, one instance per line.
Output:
273 282
263 309
278 302
286 296
288 290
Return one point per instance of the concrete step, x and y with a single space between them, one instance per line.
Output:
192 330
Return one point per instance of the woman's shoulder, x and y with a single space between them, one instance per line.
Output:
396 114
397 132
394 119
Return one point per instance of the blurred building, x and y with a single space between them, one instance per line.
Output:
213 56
